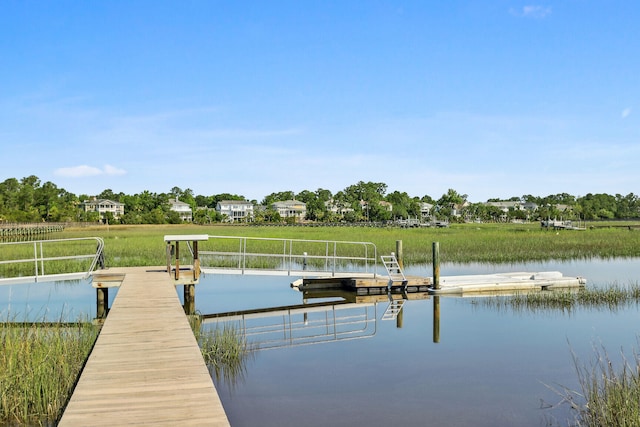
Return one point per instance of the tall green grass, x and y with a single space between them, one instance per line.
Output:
486 243
40 365
609 393
225 350
611 297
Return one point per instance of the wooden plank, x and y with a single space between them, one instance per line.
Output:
146 366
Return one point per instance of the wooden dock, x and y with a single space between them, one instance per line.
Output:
146 367
362 285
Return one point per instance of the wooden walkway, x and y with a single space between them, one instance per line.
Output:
146 367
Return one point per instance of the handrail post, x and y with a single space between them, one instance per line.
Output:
35 257
290 256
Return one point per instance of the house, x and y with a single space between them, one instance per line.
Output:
291 209
505 206
235 210
183 209
337 208
102 206
425 210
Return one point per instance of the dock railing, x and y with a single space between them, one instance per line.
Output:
292 257
49 260
293 326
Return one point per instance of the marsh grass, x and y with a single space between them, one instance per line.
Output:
611 297
225 350
40 364
609 393
127 246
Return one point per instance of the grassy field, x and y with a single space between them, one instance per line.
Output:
497 243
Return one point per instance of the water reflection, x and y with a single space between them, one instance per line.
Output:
443 361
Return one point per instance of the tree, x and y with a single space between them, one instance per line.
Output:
109 195
278 197
47 198
448 202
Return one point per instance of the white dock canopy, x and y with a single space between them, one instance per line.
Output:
185 237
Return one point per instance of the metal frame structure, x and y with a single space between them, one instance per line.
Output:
295 259
39 259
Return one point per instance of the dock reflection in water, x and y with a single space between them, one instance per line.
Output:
346 316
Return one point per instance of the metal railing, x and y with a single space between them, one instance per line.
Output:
292 257
290 327
25 262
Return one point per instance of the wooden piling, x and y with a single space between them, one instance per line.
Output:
102 302
399 254
436 319
436 265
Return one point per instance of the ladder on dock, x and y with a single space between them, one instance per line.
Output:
393 309
393 269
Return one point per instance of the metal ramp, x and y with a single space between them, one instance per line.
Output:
393 309
393 269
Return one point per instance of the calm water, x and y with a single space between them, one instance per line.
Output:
488 368
343 365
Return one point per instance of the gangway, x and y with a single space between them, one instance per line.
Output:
289 257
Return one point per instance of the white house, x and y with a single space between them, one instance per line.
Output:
291 209
183 209
102 206
235 210
337 208
425 210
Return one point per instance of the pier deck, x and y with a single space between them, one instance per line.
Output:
146 367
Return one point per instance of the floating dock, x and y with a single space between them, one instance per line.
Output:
506 282
146 367
449 285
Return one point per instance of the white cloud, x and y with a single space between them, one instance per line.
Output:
85 171
532 11
112 170
626 112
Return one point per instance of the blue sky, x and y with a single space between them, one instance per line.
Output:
490 98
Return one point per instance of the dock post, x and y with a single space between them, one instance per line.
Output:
196 262
436 265
102 302
436 319
399 254
189 292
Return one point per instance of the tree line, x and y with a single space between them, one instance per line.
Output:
30 200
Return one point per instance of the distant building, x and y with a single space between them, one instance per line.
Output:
504 206
235 210
425 210
338 208
102 206
183 209
291 209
